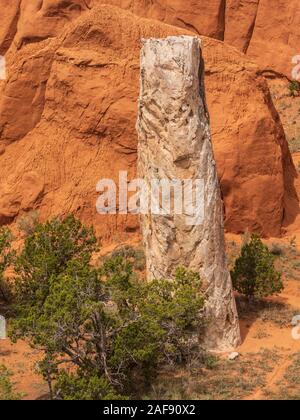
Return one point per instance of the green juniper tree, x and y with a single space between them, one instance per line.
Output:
102 330
254 273
46 254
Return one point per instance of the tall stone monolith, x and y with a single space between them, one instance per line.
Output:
175 144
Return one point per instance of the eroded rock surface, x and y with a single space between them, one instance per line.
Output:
68 110
175 144
266 30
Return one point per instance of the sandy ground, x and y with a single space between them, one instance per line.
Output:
21 359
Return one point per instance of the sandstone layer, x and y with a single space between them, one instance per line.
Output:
68 111
175 145
268 31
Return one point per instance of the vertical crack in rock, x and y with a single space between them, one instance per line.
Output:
251 30
175 143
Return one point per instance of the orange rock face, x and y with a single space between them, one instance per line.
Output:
8 23
276 35
68 111
267 30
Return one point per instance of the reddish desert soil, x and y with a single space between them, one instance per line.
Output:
20 359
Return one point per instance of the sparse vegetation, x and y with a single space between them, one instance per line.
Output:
6 259
221 380
28 222
294 88
277 250
254 274
7 392
277 313
134 255
288 388
113 329
262 334
287 259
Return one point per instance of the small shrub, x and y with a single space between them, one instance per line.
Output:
82 387
28 222
277 250
294 88
7 392
254 274
6 258
134 255
140 260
